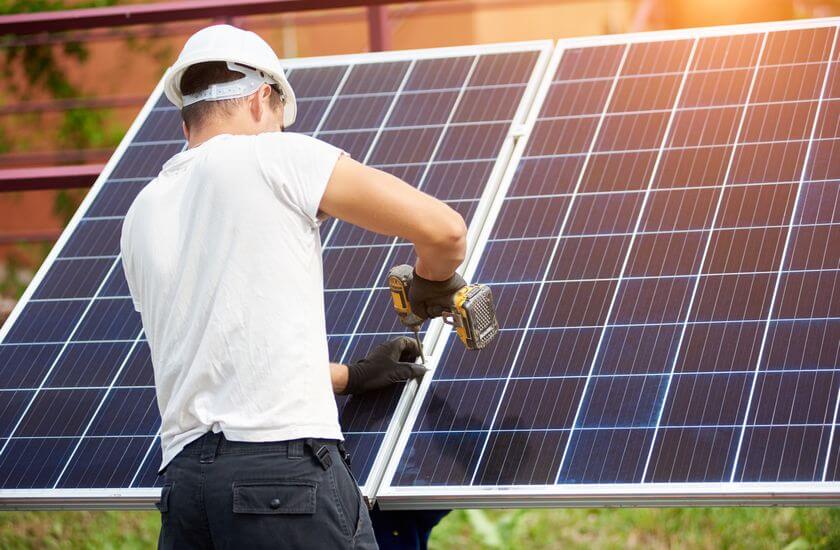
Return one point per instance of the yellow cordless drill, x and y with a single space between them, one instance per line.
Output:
472 312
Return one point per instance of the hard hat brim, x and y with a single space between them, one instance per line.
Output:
172 83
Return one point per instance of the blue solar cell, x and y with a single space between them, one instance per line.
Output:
657 57
482 104
637 350
456 456
33 462
785 453
594 62
370 413
355 144
145 161
632 132
503 69
343 309
423 109
458 180
115 284
606 456
316 81
94 238
163 125
105 462
24 366
355 112
115 198
478 141
110 319
14 403
45 322
800 345
73 278
366 448
436 74
397 146
90 364
693 454
353 267
147 473
74 407
127 411
138 369
576 98
535 461
309 115
370 78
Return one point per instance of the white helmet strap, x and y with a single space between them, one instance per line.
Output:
245 86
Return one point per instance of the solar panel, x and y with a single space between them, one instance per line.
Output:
664 253
79 423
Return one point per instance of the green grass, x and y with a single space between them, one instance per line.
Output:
788 528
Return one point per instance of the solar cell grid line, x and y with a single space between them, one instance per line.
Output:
784 258
772 243
32 290
703 256
567 217
172 125
462 393
10 435
666 137
447 424
94 416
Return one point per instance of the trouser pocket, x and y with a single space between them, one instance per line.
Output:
274 496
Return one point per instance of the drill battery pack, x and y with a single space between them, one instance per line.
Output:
474 316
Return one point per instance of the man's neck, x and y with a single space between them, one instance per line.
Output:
233 126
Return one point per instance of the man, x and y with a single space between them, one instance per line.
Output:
222 255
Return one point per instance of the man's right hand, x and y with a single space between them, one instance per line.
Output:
430 298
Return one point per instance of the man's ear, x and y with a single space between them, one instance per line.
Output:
185 130
259 102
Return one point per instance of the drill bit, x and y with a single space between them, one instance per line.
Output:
416 330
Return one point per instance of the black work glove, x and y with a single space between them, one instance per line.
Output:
387 364
430 298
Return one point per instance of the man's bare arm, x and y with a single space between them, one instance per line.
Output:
339 377
383 203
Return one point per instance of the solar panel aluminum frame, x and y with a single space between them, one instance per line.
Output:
371 488
391 496
144 498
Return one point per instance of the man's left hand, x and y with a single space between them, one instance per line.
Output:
388 363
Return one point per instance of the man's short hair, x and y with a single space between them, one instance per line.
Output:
200 77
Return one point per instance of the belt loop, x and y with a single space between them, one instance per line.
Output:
295 448
210 444
320 451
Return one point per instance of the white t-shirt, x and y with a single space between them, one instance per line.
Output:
222 255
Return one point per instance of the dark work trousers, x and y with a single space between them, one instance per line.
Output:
222 494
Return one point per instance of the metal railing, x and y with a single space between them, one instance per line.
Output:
62 177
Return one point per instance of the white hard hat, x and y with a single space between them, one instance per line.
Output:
230 44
